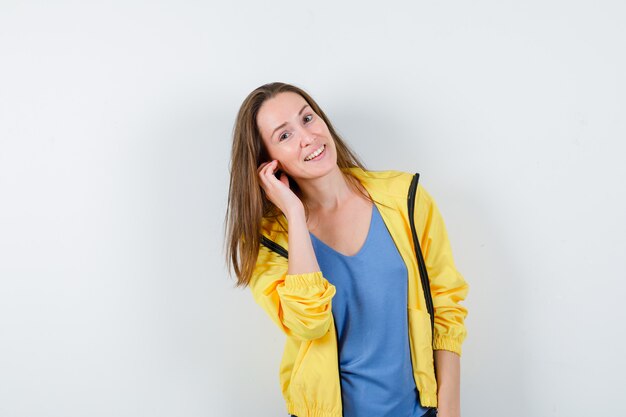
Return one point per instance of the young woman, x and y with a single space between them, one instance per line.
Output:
329 252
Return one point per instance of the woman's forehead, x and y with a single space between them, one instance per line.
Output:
278 110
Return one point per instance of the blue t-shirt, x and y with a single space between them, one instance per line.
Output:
370 312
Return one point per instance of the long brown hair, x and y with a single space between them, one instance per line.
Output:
247 204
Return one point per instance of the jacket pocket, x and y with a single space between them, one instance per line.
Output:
420 337
315 374
302 353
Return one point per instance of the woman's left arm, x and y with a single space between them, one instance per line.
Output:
448 289
447 286
448 368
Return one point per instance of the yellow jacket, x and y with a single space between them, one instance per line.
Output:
300 304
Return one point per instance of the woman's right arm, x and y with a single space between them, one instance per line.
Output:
296 295
302 257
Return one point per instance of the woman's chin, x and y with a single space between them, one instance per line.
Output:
319 171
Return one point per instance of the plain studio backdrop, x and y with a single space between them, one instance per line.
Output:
115 132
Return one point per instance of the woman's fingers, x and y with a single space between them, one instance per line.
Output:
265 171
277 190
265 166
272 185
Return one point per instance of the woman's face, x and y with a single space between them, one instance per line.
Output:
296 136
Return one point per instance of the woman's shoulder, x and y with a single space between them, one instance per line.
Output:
390 182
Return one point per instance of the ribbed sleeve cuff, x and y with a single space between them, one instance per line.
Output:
308 279
452 344
428 399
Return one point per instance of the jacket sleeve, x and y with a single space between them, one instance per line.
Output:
300 304
447 286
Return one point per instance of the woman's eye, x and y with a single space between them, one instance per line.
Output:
308 118
283 136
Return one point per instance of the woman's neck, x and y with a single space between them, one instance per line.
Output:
326 193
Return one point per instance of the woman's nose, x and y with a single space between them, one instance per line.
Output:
307 139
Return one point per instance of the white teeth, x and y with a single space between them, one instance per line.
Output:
314 154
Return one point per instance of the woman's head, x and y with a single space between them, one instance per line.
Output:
256 140
296 136
255 119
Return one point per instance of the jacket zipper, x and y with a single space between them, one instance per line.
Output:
418 252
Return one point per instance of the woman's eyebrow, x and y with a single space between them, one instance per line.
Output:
284 124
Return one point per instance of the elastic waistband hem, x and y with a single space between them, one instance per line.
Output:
311 412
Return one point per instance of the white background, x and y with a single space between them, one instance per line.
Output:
115 129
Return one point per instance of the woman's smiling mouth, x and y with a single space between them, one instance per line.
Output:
315 154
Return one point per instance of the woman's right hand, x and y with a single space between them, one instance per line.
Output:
278 191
